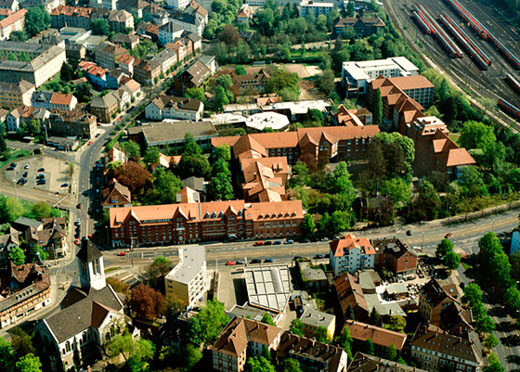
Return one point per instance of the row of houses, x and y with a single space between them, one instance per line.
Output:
72 16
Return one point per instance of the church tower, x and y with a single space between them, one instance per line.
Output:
91 267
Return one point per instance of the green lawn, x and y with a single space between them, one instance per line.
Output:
15 155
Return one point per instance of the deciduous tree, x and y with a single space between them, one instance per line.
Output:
36 20
131 149
207 324
17 256
29 363
133 175
146 302
130 348
297 327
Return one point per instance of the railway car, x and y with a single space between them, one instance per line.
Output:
508 108
468 17
421 22
515 61
443 38
514 83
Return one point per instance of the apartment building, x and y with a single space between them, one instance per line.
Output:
45 62
107 54
349 254
318 145
357 75
242 337
195 222
192 19
434 297
71 16
264 178
169 32
350 294
312 8
313 319
120 20
13 95
54 101
394 255
171 107
254 82
187 281
13 22
105 108
381 337
365 362
117 195
435 350
25 289
147 72
416 87
361 27
73 123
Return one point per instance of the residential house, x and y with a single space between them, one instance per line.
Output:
188 280
114 154
194 76
351 295
394 255
120 20
361 27
169 32
133 88
196 41
95 74
380 337
239 338
166 58
75 123
434 297
88 316
435 350
353 117
126 63
116 195
170 107
12 5
127 41
178 4
180 49
107 54
147 72
13 22
15 94
311 354
313 319
17 116
264 178
123 98
148 29
350 254
24 289
367 363
8 241
160 224
54 101
245 14
253 82
71 16
105 108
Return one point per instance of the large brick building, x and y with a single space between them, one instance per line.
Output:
395 256
193 222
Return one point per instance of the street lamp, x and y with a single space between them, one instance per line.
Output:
15 189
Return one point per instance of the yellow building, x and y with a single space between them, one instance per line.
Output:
15 94
313 319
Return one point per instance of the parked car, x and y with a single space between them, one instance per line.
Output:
78 222
277 242
298 257
327 255
240 262
258 243
20 181
409 232
41 182
41 170
256 261
121 253
304 240
10 168
231 263
268 260
24 174
40 176
268 242
318 256
90 143
77 242
65 185
288 241
13 165
26 166
324 239
448 235
78 206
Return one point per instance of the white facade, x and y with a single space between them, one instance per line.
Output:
169 32
196 28
92 274
188 279
308 8
178 4
13 123
356 76
352 260
155 113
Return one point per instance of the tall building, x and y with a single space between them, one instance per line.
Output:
17 94
187 281
349 254
315 8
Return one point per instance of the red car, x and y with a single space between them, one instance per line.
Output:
256 244
121 253
76 241
89 143
231 263
448 235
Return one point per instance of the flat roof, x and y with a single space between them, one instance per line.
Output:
359 69
268 119
191 260
317 318
268 287
174 131
385 308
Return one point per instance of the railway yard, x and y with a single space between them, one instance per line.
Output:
472 42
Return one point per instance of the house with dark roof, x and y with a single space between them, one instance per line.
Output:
105 108
23 290
350 294
196 75
171 107
369 363
362 27
116 195
436 350
8 241
434 297
394 255
88 317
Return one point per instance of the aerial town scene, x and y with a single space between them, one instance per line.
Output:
260 185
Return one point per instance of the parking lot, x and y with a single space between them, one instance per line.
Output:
52 170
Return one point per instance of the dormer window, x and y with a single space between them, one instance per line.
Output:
213 215
206 215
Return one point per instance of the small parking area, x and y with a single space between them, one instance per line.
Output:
232 287
54 171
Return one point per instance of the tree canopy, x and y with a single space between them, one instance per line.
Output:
207 324
36 20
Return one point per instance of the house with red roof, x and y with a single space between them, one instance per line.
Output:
350 253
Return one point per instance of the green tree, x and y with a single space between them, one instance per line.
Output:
282 79
194 165
190 145
17 256
391 352
29 363
308 225
67 72
222 152
406 143
259 364
13 208
490 342
7 358
41 210
472 294
18 36
368 347
396 323
21 342
130 348
451 260
397 189
151 156
290 365
320 334
493 364
427 204
207 324
224 81
100 26
191 355
3 144
167 185
36 20
375 318
485 324
297 327
195 93
221 98
344 340
326 82
266 318
220 187
84 92
443 248
471 181
240 70
350 313
377 108
131 149
476 135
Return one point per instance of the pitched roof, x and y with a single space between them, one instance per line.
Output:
434 293
379 336
349 242
370 363
88 252
350 293
10 19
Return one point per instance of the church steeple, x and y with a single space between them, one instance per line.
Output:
91 267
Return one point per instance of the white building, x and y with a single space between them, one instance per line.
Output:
188 279
356 76
169 32
178 4
350 254
268 119
170 107
313 8
89 317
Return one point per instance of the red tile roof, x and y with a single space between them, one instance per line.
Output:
379 336
350 241
9 20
